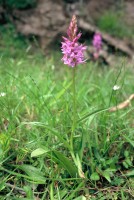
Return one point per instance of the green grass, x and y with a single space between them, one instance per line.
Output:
36 159
114 24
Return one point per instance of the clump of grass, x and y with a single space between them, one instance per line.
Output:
10 41
35 125
113 23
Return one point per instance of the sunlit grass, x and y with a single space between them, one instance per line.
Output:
35 120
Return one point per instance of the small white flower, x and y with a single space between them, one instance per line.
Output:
116 87
53 67
2 94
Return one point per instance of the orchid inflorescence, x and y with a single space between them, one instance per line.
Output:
72 50
97 44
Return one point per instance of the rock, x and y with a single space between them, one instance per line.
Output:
45 21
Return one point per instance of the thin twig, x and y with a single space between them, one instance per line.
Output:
16 188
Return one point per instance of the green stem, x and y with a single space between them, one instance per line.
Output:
74 109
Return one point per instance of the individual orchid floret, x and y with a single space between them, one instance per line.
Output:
73 52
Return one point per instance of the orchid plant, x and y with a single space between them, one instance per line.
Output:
73 55
97 44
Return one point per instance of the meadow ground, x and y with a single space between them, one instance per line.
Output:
39 156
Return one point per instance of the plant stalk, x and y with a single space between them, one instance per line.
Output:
74 109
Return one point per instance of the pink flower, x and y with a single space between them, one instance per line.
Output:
73 52
97 42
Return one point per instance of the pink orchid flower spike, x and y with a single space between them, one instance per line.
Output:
73 52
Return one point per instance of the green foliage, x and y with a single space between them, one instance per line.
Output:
113 23
33 173
36 158
19 4
10 41
4 145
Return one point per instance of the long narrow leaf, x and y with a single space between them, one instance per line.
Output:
60 94
92 113
129 140
34 173
53 132
65 162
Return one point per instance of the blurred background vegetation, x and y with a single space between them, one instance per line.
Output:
21 4
113 17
